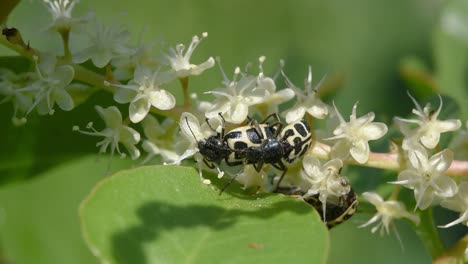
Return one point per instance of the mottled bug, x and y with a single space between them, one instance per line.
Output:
336 213
268 143
256 144
214 148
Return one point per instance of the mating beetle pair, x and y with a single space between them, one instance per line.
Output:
268 142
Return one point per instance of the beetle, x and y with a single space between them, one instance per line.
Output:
256 143
268 143
336 213
214 149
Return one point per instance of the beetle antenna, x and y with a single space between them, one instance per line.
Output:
191 131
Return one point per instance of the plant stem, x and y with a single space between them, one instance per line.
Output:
185 89
65 34
387 161
428 234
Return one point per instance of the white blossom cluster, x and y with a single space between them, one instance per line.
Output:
139 78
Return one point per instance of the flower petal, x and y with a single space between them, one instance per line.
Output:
409 178
222 106
267 84
441 161
430 139
360 151
150 147
197 70
341 149
310 163
373 198
63 74
129 135
444 186
47 63
42 107
162 99
111 116
447 125
124 96
423 197
374 131
190 127
63 99
239 113
139 109
318 109
101 58
295 114
83 55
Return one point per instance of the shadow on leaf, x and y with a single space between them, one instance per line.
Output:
156 217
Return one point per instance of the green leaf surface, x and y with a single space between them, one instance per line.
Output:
163 214
39 218
15 63
451 52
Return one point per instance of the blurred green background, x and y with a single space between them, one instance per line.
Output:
361 44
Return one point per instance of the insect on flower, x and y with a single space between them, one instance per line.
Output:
267 143
213 148
257 143
336 212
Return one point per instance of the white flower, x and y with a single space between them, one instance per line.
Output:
234 100
114 133
387 211
196 133
324 180
10 82
429 128
307 101
61 11
180 63
50 88
142 92
426 176
353 136
250 177
125 65
105 43
160 139
273 98
458 203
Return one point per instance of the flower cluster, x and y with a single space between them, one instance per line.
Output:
353 136
387 211
426 174
41 90
170 132
324 180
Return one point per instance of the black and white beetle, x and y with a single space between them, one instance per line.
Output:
214 149
336 213
257 144
268 143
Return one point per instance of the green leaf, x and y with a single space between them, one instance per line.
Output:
417 77
163 214
39 218
15 63
451 52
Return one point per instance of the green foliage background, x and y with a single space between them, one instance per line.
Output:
362 43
